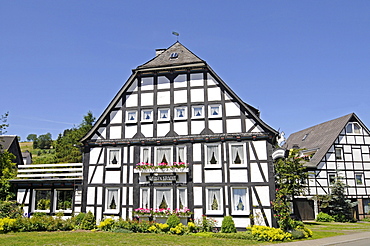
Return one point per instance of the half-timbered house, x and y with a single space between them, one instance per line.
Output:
177 136
335 149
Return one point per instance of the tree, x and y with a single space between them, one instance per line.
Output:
290 180
336 204
66 146
3 125
31 137
43 142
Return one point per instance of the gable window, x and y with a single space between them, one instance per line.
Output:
338 153
131 116
163 198
163 114
359 178
112 204
181 155
42 200
145 155
214 201
146 115
198 111
64 200
182 201
213 157
353 128
114 157
214 111
332 178
164 155
180 113
237 155
239 201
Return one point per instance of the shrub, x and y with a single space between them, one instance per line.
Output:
265 233
88 222
106 224
324 217
7 224
228 225
173 221
180 229
10 210
206 224
192 227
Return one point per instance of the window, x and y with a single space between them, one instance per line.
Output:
180 113
114 157
239 201
64 199
213 155
163 198
112 199
163 114
174 55
214 202
42 200
145 155
237 154
214 111
359 178
182 201
181 155
164 155
146 115
144 198
332 178
353 128
338 154
198 112
366 203
131 116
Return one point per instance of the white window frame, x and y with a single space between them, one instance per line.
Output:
210 115
178 151
231 157
128 115
352 129
235 203
209 201
142 154
34 204
169 200
142 205
185 114
143 115
338 155
107 201
158 159
118 158
362 178
185 202
56 200
160 114
218 157
193 108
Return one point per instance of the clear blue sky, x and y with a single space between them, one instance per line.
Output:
300 62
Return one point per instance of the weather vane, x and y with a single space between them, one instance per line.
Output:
176 34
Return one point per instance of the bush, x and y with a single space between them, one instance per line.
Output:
180 229
265 233
7 224
206 224
10 210
106 224
88 222
324 217
228 225
173 221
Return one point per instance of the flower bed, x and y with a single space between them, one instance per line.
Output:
161 212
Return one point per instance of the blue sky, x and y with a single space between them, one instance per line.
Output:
300 62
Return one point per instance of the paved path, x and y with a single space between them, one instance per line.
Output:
358 239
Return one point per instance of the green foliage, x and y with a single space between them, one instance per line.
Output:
43 142
7 225
7 172
290 177
265 233
88 222
65 145
180 229
106 224
206 224
228 225
31 137
173 221
10 210
324 217
336 204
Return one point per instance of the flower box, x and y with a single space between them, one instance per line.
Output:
143 167
158 170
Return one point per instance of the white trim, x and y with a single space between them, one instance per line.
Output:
168 200
211 113
147 113
141 197
34 205
218 156
244 157
117 201
160 114
195 110
169 158
177 153
185 204
130 114
184 113
117 157
56 200
149 154
233 209
209 201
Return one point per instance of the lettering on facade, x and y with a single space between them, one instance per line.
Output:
161 178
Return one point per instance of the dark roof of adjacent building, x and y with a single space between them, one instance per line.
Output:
320 137
10 143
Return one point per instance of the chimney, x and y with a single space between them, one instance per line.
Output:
159 51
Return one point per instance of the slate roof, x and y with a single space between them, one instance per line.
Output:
6 141
10 143
321 137
185 57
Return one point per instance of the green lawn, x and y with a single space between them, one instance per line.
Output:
108 238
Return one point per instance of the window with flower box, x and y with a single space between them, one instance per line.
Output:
181 154
144 199
163 198
163 155
145 155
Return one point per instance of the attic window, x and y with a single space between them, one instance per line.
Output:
174 55
304 137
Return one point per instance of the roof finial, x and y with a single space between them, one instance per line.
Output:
176 34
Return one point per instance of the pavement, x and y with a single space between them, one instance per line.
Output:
358 238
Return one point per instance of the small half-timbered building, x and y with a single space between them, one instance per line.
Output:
177 136
335 149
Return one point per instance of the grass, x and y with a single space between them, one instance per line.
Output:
320 229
